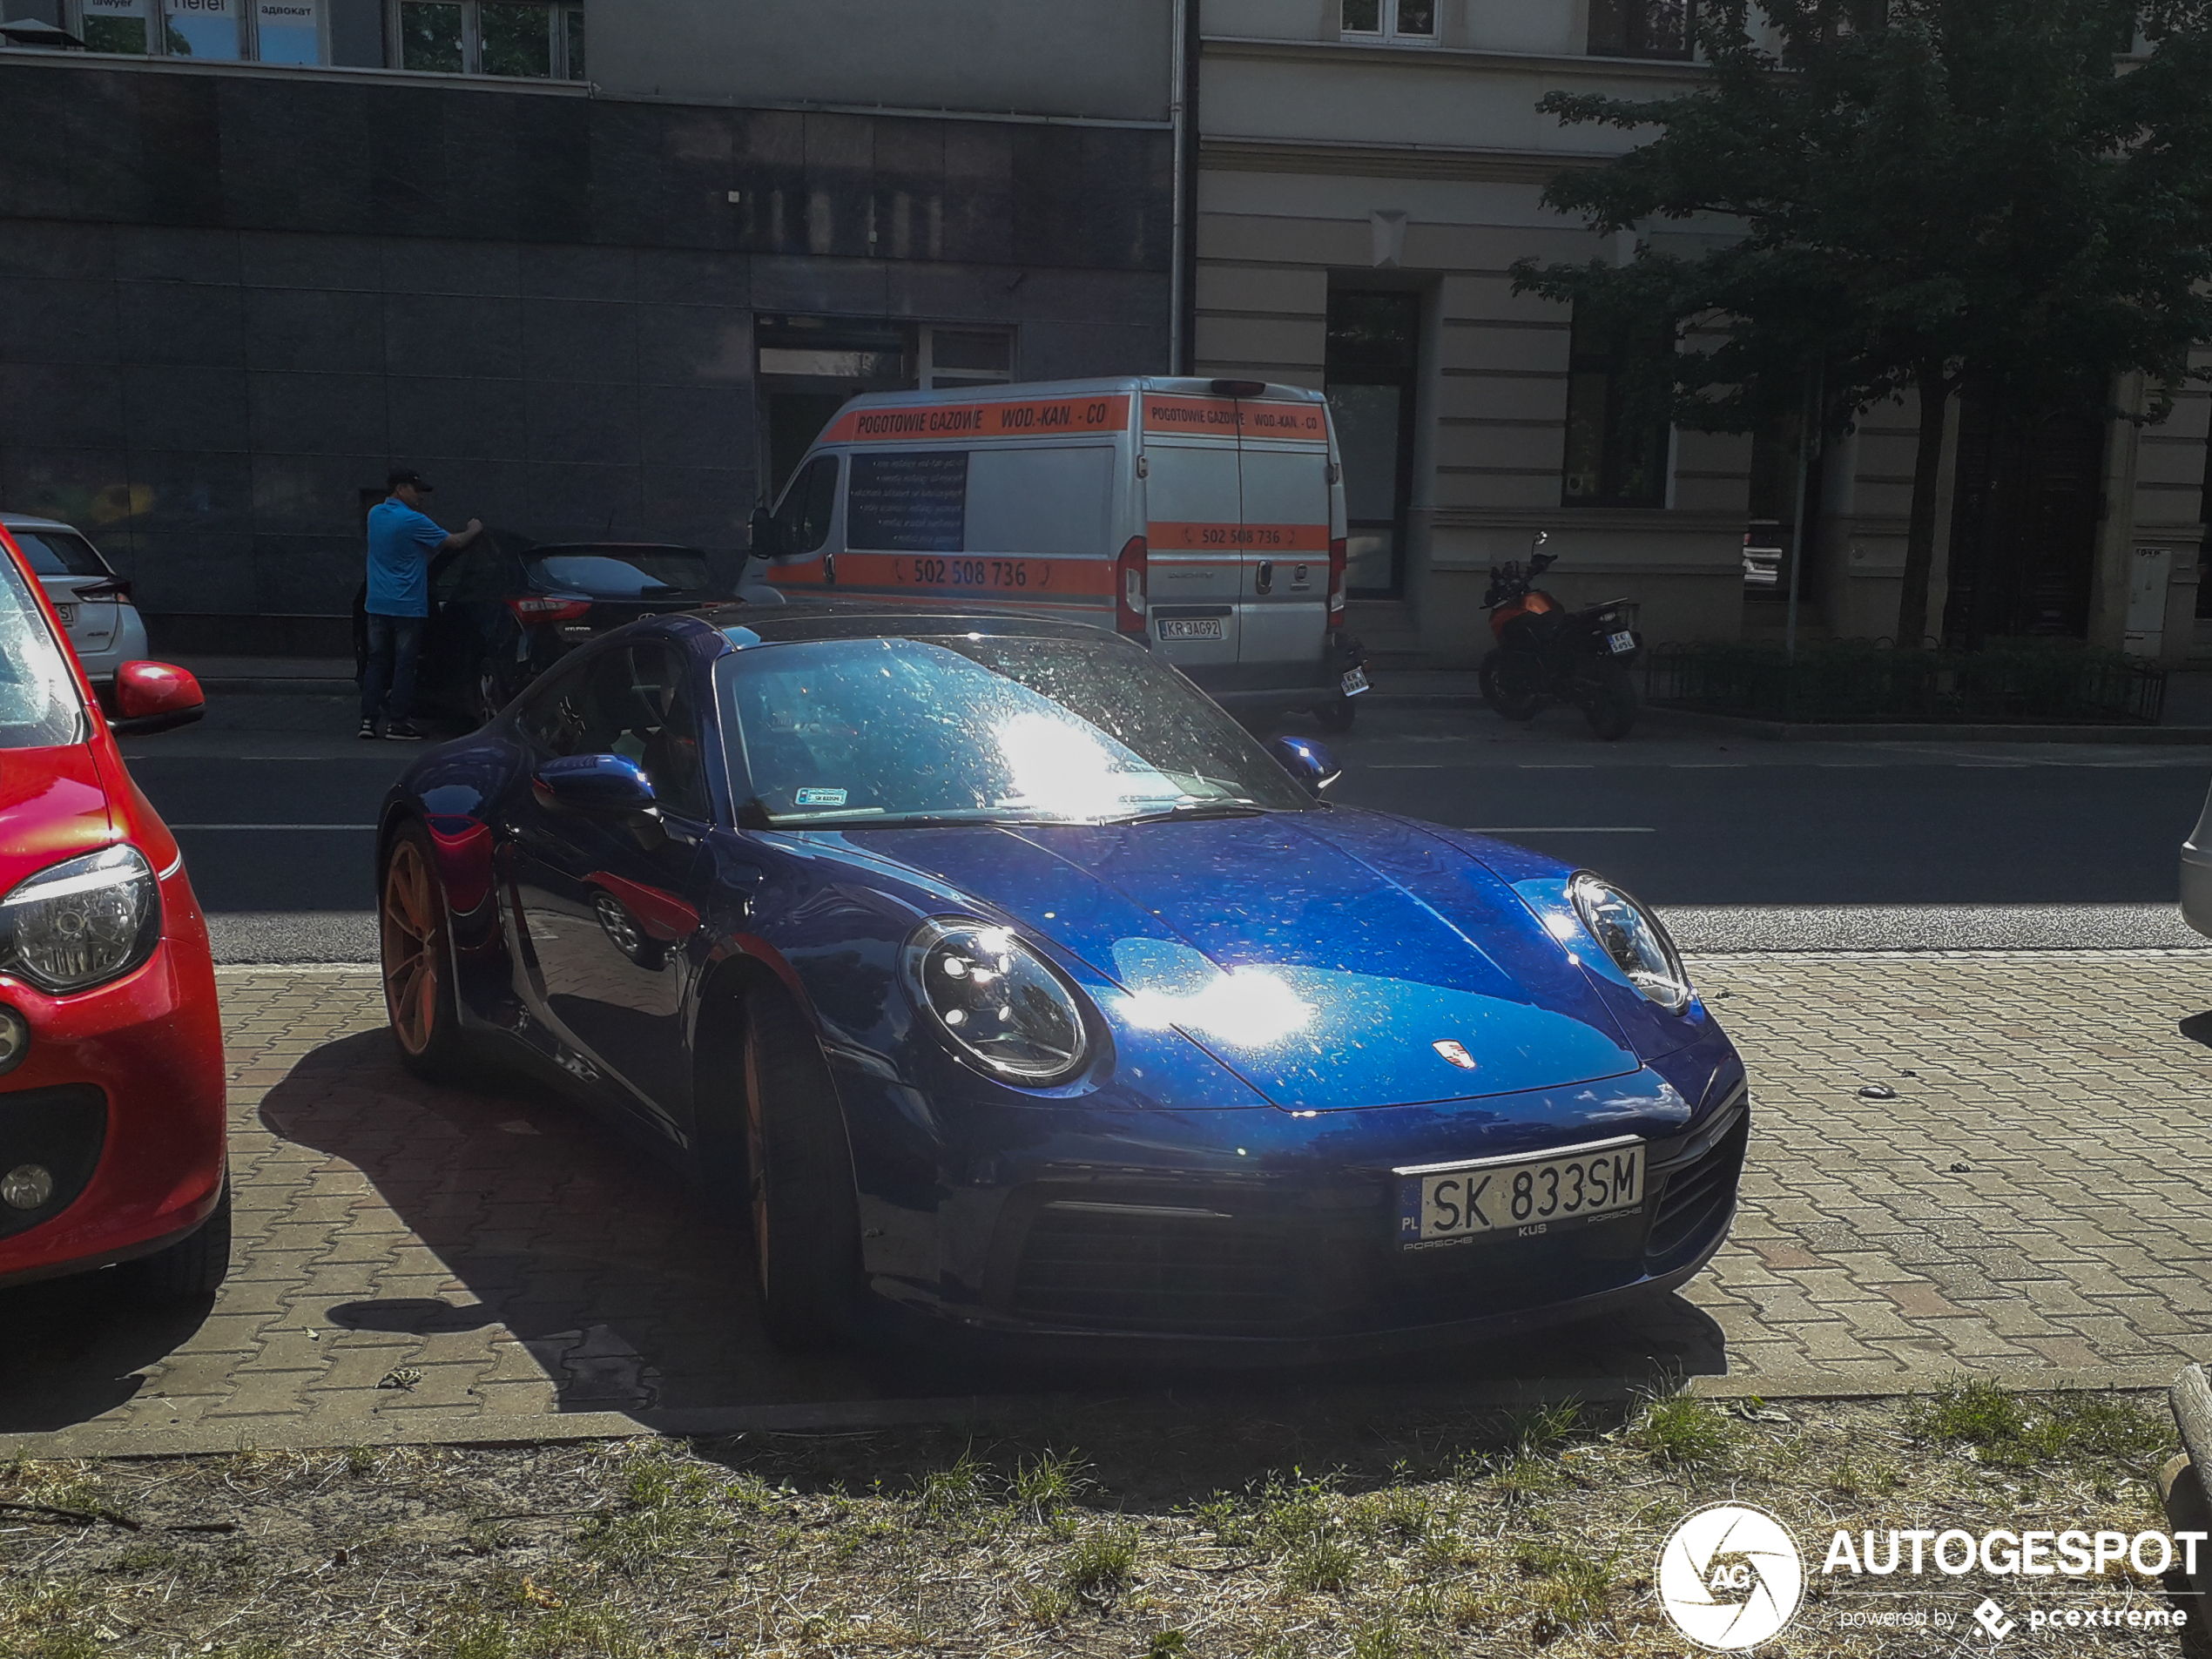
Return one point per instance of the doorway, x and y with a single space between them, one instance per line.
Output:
2023 526
1373 366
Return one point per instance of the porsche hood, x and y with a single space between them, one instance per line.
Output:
1331 960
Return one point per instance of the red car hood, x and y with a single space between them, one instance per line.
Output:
53 806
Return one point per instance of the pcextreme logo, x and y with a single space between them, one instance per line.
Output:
1730 1576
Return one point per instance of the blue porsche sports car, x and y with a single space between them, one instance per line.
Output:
1008 980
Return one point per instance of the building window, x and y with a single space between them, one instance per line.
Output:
516 39
1412 21
219 31
1642 28
1617 425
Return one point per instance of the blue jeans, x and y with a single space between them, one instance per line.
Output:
394 643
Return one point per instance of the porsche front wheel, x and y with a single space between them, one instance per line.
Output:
417 958
805 1221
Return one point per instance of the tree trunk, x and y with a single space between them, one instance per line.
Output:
1920 528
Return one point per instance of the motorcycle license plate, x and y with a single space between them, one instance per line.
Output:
1621 643
1354 681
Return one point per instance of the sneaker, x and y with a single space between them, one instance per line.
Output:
369 731
402 732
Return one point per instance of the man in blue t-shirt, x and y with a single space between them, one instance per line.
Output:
401 538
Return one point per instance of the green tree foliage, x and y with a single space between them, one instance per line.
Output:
1912 195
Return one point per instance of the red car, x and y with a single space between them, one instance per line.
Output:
112 1096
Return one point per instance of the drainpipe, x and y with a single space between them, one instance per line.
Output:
1179 77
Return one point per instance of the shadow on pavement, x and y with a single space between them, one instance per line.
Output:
75 1346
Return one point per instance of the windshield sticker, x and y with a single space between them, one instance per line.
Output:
819 798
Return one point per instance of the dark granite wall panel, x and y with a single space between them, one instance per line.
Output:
227 304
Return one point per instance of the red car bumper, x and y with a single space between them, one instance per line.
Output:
121 1096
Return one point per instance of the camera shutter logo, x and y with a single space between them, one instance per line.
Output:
1730 1576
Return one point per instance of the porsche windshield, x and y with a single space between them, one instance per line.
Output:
848 733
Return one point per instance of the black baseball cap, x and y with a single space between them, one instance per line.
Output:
407 475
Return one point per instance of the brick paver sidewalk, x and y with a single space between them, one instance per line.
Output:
2033 1203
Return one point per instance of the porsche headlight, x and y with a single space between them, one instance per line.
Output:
1632 937
1006 1012
83 920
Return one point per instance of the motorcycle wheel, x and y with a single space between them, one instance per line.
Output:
1512 684
1610 703
1337 716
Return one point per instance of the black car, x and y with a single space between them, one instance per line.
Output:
505 609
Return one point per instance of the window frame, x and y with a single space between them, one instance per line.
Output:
1634 16
1387 32
155 19
1586 359
562 71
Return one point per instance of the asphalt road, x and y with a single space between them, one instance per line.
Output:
1744 844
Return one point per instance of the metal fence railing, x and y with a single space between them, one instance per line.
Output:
2016 685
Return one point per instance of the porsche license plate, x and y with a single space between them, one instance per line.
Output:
1354 681
1441 1203
1621 643
1190 627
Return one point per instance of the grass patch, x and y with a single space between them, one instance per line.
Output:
1572 1587
1101 1564
2021 1431
1320 1564
1047 1484
1685 1431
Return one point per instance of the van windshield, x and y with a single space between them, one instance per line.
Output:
883 732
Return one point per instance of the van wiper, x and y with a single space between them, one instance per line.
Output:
1192 809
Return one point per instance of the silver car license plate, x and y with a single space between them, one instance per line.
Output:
1190 627
68 615
1520 1197
1354 681
1621 643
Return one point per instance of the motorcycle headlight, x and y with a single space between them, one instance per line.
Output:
1632 937
1008 1013
83 920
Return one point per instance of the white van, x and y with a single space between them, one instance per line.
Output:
1206 515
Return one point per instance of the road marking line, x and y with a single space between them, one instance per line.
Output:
1567 829
273 827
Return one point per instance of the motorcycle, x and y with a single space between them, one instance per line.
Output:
1547 654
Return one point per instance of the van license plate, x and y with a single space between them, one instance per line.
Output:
1354 681
1191 628
1622 643
1519 1196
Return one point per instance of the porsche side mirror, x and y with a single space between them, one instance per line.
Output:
606 785
1309 762
154 697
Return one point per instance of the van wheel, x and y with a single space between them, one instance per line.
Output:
1337 716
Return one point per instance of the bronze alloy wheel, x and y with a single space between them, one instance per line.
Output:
409 925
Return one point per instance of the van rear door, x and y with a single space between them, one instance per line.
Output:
1193 514
1283 507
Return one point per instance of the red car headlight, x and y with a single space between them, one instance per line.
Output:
82 921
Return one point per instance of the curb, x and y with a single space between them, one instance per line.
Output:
429 1428
1894 731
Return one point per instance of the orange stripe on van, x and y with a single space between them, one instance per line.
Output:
1028 418
1222 417
1169 537
1003 578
